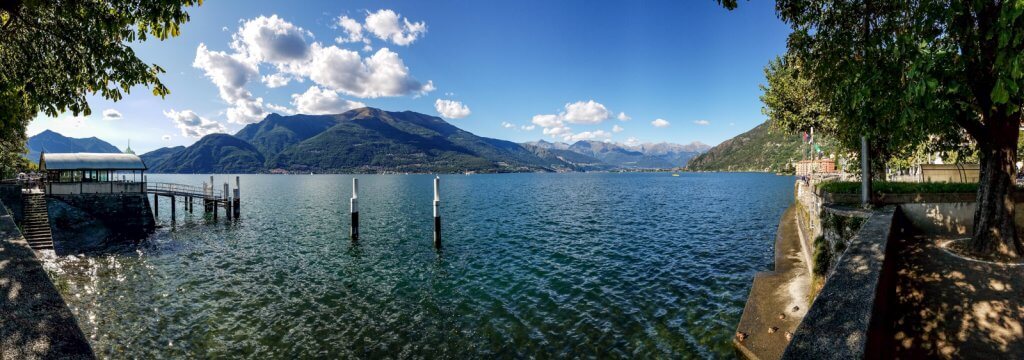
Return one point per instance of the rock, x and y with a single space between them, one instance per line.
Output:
741 336
796 308
772 329
789 336
782 316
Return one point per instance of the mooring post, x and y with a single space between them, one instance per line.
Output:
354 209
227 201
437 212
237 206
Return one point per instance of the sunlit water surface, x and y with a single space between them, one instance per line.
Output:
547 265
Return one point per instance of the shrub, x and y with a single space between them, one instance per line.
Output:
822 256
887 187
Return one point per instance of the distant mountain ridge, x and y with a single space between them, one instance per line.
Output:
51 141
761 149
369 140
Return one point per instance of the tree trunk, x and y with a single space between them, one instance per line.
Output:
994 228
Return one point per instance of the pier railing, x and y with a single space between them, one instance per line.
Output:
171 189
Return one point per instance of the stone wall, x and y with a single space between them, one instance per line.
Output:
35 322
10 196
842 320
97 222
826 229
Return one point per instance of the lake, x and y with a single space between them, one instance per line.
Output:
533 265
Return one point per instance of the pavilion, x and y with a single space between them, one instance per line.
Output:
92 173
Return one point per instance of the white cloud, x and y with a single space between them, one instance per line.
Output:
225 29
557 131
111 114
316 102
276 80
623 117
388 25
588 135
617 129
272 42
580 112
732 124
382 74
632 141
528 127
661 123
702 122
451 109
192 125
507 125
284 110
166 137
547 121
353 30
589 112
230 73
271 39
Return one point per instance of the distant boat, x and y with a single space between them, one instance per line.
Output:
674 174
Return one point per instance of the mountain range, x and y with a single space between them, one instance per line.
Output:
50 141
761 149
369 140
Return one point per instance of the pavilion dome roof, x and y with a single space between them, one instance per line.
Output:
90 161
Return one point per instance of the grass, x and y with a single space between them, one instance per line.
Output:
888 187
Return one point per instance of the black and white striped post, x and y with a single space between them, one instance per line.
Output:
437 212
354 209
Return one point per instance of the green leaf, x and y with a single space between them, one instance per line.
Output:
999 94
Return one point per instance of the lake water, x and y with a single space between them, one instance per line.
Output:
544 265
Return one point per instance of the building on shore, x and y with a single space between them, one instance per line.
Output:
808 167
92 173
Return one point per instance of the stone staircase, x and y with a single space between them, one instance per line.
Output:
36 226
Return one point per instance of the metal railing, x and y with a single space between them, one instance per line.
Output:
183 190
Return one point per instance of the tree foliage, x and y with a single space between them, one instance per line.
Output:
791 102
909 73
53 53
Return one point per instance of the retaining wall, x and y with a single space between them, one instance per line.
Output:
95 222
35 322
10 196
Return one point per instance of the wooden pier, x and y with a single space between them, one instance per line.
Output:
212 199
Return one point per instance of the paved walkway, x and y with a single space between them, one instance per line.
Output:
35 323
953 308
776 293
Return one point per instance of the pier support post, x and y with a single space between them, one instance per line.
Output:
173 210
156 207
237 206
437 212
227 201
354 210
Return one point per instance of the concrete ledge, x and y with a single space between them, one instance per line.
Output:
838 323
783 291
35 322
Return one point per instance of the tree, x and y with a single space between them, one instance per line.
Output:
790 99
907 72
55 52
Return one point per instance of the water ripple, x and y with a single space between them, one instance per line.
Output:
534 265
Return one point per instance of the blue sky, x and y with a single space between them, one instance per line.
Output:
525 70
